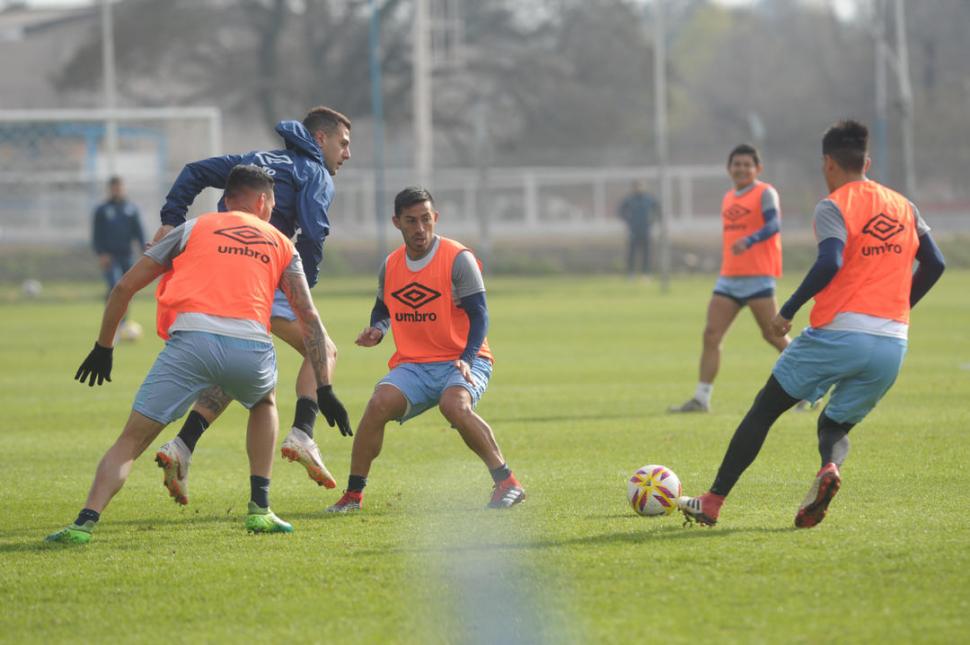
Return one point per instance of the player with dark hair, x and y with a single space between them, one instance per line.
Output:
864 287
223 269
315 150
432 296
750 263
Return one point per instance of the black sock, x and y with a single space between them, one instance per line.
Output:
87 515
770 403
195 424
501 473
259 491
833 440
356 483
306 415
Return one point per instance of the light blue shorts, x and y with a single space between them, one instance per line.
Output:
741 289
861 366
192 361
422 384
281 306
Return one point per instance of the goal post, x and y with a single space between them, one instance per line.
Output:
54 166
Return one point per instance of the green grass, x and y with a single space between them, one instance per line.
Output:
585 369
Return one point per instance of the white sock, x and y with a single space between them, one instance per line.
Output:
703 393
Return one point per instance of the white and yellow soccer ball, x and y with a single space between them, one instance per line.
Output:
653 490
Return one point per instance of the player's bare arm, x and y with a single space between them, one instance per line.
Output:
315 342
137 278
297 291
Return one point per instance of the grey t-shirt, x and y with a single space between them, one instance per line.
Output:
167 249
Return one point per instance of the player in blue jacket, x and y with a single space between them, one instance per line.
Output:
315 150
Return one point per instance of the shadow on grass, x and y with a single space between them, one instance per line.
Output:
186 521
659 534
596 416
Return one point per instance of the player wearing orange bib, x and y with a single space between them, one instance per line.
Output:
432 297
222 270
864 287
750 263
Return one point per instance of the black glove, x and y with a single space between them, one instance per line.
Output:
97 365
333 410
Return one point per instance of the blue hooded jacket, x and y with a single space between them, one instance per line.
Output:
304 190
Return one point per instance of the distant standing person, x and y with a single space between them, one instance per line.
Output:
431 296
116 224
638 210
750 263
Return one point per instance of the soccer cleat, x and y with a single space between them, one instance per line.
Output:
351 501
816 502
174 458
263 520
507 493
691 405
73 534
703 510
299 446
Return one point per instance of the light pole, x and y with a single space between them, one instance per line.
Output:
421 55
905 99
377 107
660 134
108 69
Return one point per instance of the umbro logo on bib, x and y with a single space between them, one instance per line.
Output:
415 295
245 234
736 212
882 227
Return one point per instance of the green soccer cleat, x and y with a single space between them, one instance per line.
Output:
263 520
73 534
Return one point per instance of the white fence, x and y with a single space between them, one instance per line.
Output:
529 201
54 164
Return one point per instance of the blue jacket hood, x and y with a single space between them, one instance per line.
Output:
298 138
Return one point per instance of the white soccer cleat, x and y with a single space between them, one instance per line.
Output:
174 459
299 446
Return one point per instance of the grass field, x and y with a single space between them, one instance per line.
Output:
585 369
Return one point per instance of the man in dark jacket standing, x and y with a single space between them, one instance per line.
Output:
638 210
116 225
315 150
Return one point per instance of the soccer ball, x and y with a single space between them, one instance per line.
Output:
130 331
653 490
31 288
